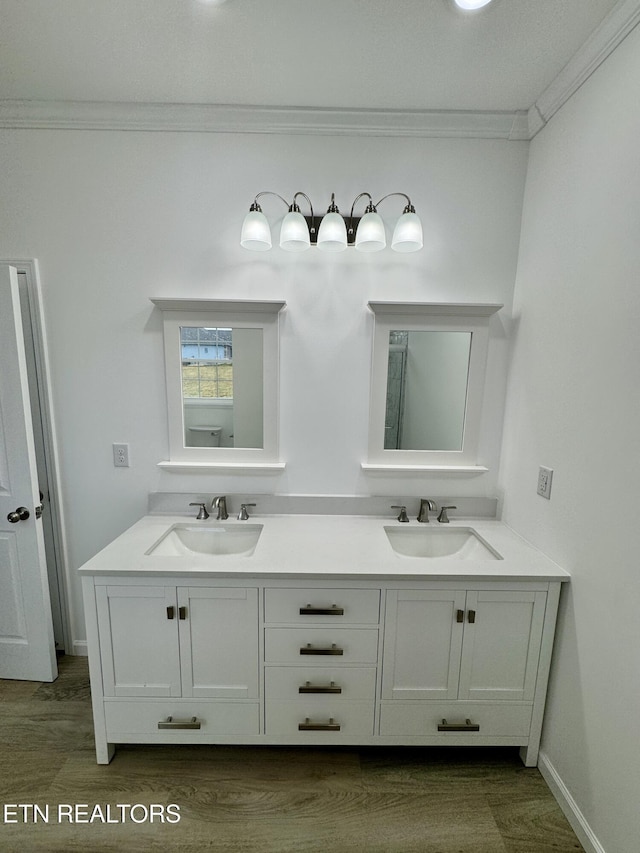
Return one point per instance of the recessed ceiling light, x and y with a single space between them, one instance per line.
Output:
471 4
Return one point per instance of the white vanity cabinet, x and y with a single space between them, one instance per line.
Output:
266 660
172 663
321 656
462 665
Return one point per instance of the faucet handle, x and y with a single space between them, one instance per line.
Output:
203 515
403 512
243 515
443 518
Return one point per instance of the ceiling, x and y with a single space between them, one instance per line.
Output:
348 54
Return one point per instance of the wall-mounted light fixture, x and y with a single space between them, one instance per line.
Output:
332 232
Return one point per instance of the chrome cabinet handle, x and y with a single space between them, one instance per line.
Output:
309 726
467 726
19 514
334 610
310 650
308 687
170 723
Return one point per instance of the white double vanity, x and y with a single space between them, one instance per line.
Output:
320 630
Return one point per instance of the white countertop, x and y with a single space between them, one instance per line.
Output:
324 547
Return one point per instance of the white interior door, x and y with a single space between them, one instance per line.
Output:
27 647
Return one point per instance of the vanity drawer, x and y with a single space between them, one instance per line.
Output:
344 684
320 717
423 718
319 646
325 606
151 717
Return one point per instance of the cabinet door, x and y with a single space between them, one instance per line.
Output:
138 640
422 644
501 645
219 642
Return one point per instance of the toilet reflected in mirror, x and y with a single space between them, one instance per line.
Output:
202 436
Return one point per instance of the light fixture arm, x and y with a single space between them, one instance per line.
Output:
256 206
409 208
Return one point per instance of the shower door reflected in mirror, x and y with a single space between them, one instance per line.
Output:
427 379
222 386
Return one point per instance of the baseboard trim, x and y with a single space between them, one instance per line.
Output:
80 648
579 824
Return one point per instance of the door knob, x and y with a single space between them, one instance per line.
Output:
20 514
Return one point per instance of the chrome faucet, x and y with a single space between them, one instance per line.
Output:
425 505
220 503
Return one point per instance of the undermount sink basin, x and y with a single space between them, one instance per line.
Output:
457 543
188 540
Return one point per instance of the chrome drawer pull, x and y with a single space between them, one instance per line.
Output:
310 650
319 688
334 610
170 723
467 726
308 726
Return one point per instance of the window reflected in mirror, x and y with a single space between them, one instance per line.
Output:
222 386
427 381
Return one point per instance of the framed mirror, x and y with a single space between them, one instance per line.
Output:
221 365
427 384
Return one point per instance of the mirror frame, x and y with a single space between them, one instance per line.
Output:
428 316
225 313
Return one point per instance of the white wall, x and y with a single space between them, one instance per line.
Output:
574 405
117 217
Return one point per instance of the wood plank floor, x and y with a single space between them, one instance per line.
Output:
257 800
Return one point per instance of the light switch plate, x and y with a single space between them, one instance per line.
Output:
545 476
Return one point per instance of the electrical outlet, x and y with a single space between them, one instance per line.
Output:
545 475
121 455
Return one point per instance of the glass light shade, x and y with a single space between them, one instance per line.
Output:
370 236
294 234
256 234
332 234
407 235
472 4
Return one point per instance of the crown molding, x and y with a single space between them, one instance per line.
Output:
622 19
219 118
